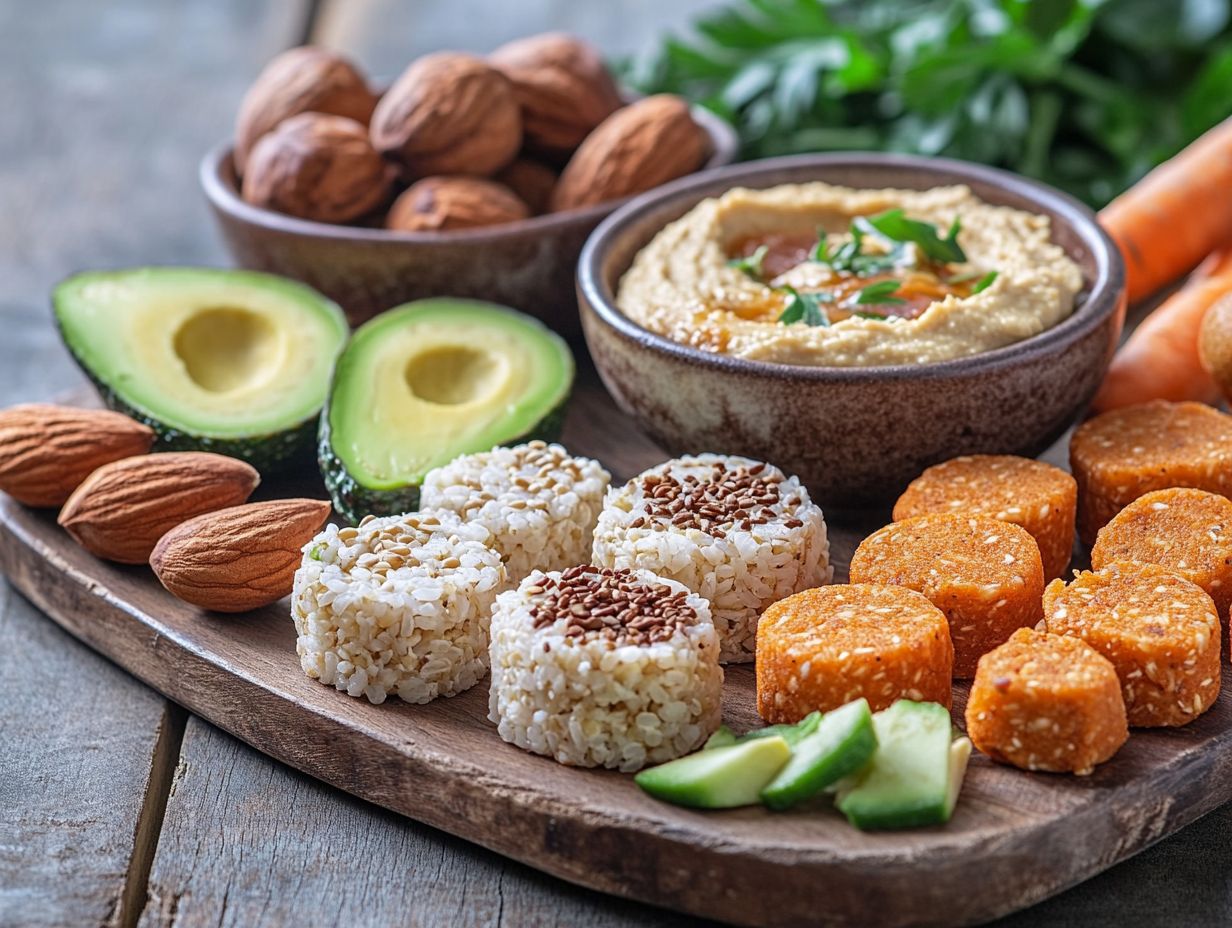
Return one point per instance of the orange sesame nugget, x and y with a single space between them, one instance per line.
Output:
1187 531
985 575
1122 454
1159 630
1046 702
1036 496
822 648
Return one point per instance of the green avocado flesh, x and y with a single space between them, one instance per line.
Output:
235 362
431 380
916 771
842 744
720 778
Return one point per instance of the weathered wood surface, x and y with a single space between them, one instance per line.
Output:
290 850
96 170
1028 835
108 105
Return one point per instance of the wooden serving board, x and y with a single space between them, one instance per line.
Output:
1015 838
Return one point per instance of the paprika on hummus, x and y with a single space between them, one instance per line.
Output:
821 275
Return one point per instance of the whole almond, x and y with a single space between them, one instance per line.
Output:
46 451
317 167
240 558
449 113
300 80
564 88
123 508
456 202
641 146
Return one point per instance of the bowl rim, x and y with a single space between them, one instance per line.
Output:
1104 296
217 176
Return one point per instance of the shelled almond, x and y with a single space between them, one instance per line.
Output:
123 508
239 558
46 451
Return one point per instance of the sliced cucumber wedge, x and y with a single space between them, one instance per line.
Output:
721 778
915 773
843 743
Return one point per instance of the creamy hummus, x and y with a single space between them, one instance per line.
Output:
688 285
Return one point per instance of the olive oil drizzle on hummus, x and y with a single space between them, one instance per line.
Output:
909 268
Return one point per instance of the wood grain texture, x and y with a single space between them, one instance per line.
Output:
1028 835
285 849
67 717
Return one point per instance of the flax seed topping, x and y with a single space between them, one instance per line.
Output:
739 497
608 603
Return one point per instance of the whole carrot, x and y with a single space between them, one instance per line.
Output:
1159 360
1168 221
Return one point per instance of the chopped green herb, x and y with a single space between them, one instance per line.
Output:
850 256
315 552
984 283
881 292
894 225
868 314
751 264
805 307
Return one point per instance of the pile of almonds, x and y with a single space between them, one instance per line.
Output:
457 141
182 512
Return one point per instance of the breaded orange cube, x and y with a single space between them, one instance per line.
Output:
1187 531
822 648
1122 454
985 575
1046 702
1036 496
1159 630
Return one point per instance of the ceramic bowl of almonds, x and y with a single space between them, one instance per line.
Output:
469 176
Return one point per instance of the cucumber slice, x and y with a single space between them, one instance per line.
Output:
910 780
792 734
721 778
843 743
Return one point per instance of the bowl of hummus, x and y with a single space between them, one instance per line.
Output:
852 318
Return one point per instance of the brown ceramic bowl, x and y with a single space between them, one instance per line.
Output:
529 265
856 436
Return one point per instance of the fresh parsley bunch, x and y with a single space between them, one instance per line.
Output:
1087 95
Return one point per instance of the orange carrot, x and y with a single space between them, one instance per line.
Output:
1168 221
1160 359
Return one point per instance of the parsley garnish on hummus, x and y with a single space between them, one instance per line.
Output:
805 307
751 264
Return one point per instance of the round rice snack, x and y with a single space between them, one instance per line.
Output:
604 668
539 502
399 605
737 532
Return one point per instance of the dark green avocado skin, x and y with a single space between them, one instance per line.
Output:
352 500
270 453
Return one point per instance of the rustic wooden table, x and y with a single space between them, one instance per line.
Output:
120 808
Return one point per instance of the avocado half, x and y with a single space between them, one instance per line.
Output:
428 381
235 362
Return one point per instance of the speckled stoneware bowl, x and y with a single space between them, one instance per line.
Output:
528 265
856 436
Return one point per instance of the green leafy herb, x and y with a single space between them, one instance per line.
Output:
315 552
850 257
1087 95
894 225
869 314
751 264
881 292
984 283
805 307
